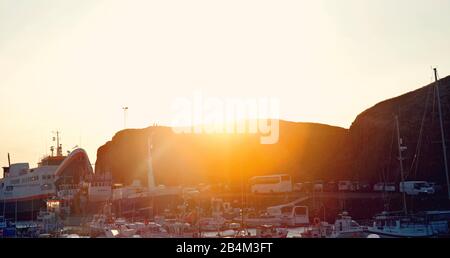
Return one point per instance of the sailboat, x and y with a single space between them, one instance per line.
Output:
424 224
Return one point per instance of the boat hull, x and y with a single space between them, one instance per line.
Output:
396 234
22 210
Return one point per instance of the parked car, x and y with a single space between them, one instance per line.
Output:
318 186
331 187
346 186
364 187
386 187
390 187
356 186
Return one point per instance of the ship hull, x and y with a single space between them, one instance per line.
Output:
22 210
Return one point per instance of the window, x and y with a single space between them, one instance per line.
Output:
354 224
9 188
300 211
266 180
420 185
285 178
46 187
286 209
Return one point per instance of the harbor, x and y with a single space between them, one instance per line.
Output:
80 204
240 122
65 197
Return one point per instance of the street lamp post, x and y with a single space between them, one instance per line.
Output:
125 109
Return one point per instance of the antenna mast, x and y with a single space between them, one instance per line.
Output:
444 148
400 158
58 146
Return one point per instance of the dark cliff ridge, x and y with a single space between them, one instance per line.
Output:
304 150
374 141
367 151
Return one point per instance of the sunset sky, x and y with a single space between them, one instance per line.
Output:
72 65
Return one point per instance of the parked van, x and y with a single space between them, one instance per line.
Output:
416 187
290 215
295 216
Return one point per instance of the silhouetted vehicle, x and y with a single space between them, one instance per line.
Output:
281 183
364 187
318 186
307 187
355 186
416 187
437 188
386 187
346 186
297 187
331 187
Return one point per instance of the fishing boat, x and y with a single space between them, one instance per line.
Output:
253 220
153 230
343 227
271 231
211 224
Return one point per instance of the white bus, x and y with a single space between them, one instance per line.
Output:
271 184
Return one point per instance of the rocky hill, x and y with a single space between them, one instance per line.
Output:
367 151
373 136
304 150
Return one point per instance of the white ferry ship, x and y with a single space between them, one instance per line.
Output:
24 190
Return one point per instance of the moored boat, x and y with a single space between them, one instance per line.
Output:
24 190
388 225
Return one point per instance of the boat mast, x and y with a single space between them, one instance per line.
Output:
400 158
151 182
242 201
444 150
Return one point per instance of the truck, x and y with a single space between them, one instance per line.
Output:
416 187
